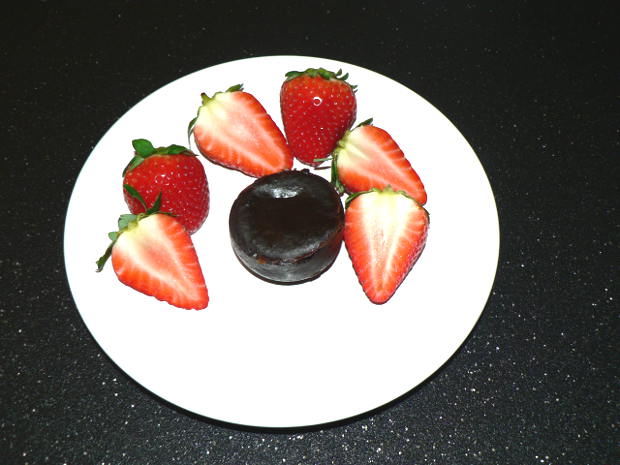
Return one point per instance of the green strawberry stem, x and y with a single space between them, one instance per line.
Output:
321 160
135 194
144 149
335 178
206 99
190 128
351 197
320 72
368 122
104 258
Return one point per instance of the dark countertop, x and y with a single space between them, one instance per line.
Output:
534 89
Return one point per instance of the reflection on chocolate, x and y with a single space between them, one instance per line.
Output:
287 227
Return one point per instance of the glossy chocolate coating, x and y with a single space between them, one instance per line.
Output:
287 227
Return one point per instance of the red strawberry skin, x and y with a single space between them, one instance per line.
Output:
233 129
156 257
318 107
384 233
183 184
368 157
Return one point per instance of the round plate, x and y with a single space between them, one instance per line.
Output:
269 355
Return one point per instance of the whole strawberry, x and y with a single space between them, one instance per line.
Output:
318 107
174 172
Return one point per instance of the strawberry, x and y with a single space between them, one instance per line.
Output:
368 157
153 253
384 233
317 106
173 171
234 130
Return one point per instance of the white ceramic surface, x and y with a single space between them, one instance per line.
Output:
283 356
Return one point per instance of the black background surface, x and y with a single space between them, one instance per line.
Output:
533 86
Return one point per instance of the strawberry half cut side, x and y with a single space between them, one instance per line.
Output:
153 253
368 157
385 232
233 129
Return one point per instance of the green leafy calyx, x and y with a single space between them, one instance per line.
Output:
335 178
205 100
320 72
143 149
386 190
129 221
367 122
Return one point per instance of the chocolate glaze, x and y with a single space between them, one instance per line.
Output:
287 227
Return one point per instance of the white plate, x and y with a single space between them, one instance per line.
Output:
284 356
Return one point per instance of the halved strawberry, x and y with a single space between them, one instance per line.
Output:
153 253
385 232
174 172
368 157
317 106
233 129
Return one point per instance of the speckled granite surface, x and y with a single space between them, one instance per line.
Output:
533 88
